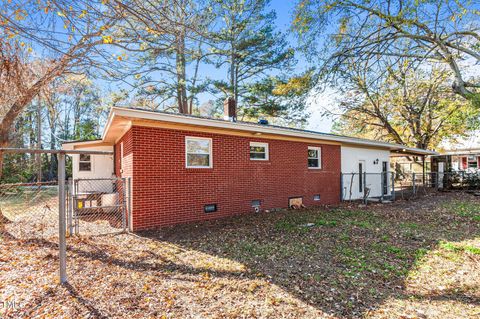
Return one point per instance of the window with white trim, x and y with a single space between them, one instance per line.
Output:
85 163
198 152
472 161
258 151
314 157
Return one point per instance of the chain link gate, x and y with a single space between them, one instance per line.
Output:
98 206
44 211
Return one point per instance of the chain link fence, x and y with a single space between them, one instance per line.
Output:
367 186
390 186
29 210
37 203
94 207
98 206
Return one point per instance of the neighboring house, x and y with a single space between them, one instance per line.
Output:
464 155
185 168
465 160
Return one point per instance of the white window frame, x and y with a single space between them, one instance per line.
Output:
319 154
259 144
474 160
210 151
90 161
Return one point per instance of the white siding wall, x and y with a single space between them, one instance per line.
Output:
102 167
351 156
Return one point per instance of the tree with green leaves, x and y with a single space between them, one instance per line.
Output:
344 31
166 44
247 46
406 105
281 100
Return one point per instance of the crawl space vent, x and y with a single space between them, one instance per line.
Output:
295 202
256 203
210 208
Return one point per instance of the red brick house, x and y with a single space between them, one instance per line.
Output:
186 168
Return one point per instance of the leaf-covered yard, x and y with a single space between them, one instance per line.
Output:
410 259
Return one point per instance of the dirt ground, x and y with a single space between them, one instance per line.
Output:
409 259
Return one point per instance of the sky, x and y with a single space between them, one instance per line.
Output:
317 104
284 10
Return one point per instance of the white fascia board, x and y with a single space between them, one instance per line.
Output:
71 145
109 122
462 152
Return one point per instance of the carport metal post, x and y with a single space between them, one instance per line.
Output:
414 185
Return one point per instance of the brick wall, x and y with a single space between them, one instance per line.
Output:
165 192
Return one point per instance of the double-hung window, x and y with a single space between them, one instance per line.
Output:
258 151
198 152
314 157
85 163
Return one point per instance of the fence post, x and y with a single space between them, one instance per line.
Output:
75 209
393 186
129 204
414 184
124 204
70 206
382 185
341 186
61 218
365 188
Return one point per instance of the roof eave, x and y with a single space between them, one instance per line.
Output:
145 114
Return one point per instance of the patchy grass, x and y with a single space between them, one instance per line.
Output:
412 259
465 209
459 248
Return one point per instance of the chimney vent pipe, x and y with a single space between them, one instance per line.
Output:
230 109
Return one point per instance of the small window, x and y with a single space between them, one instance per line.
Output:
84 163
316 197
198 152
314 157
258 151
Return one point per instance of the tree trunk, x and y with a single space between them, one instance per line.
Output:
19 105
181 73
233 66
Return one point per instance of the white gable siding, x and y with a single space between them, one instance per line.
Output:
101 167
